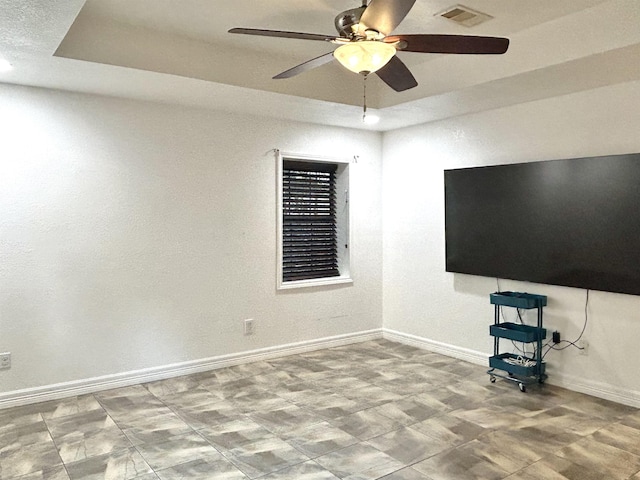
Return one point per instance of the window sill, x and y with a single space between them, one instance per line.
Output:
319 282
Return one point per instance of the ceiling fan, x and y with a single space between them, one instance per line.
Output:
366 46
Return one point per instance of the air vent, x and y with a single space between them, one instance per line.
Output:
464 16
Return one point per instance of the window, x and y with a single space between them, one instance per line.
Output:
313 227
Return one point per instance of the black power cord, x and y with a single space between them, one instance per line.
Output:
552 345
574 343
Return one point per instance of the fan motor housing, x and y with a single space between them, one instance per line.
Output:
347 19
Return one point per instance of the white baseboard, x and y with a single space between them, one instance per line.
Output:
107 382
96 384
589 387
596 389
471 356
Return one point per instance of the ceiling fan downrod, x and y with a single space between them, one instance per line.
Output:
347 22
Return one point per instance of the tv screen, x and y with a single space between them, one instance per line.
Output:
572 222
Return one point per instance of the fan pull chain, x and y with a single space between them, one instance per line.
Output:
364 99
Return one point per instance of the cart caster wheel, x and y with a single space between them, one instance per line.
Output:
523 387
492 379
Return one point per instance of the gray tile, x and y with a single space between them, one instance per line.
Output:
208 415
129 403
613 463
558 420
285 419
302 392
555 468
539 440
411 409
212 467
345 383
259 401
120 465
153 426
238 388
488 416
366 424
459 464
449 430
405 474
620 436
176 450
55 473
264 456
456 398
400 350
69 406
463 369
26 448
330 405
235 433
225 375
597 407
407 384
24 433
321 376
319 439
523 405
275 378
24 415
171 386
196 397
538 471
438 378
252 369
86 435
500 450
359 461
17 459
407 445
303 471
372 396
132 392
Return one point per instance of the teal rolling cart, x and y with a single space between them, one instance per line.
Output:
519 368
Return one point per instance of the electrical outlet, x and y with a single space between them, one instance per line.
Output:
5 360
248 326
556 337
584 345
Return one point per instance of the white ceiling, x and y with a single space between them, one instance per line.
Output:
179 51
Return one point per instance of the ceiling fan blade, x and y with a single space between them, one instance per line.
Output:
397 75
283 34
306 66
464 44
384 15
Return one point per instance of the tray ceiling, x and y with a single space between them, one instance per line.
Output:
180 52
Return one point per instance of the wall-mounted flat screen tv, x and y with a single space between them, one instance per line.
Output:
573 222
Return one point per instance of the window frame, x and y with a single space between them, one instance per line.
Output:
343 221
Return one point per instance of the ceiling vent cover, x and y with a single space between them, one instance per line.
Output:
464 16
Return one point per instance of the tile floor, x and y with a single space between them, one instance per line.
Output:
374 410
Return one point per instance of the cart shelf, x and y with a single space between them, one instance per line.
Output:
518 332
500 362
518 300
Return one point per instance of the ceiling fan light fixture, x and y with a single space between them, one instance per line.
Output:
365 56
